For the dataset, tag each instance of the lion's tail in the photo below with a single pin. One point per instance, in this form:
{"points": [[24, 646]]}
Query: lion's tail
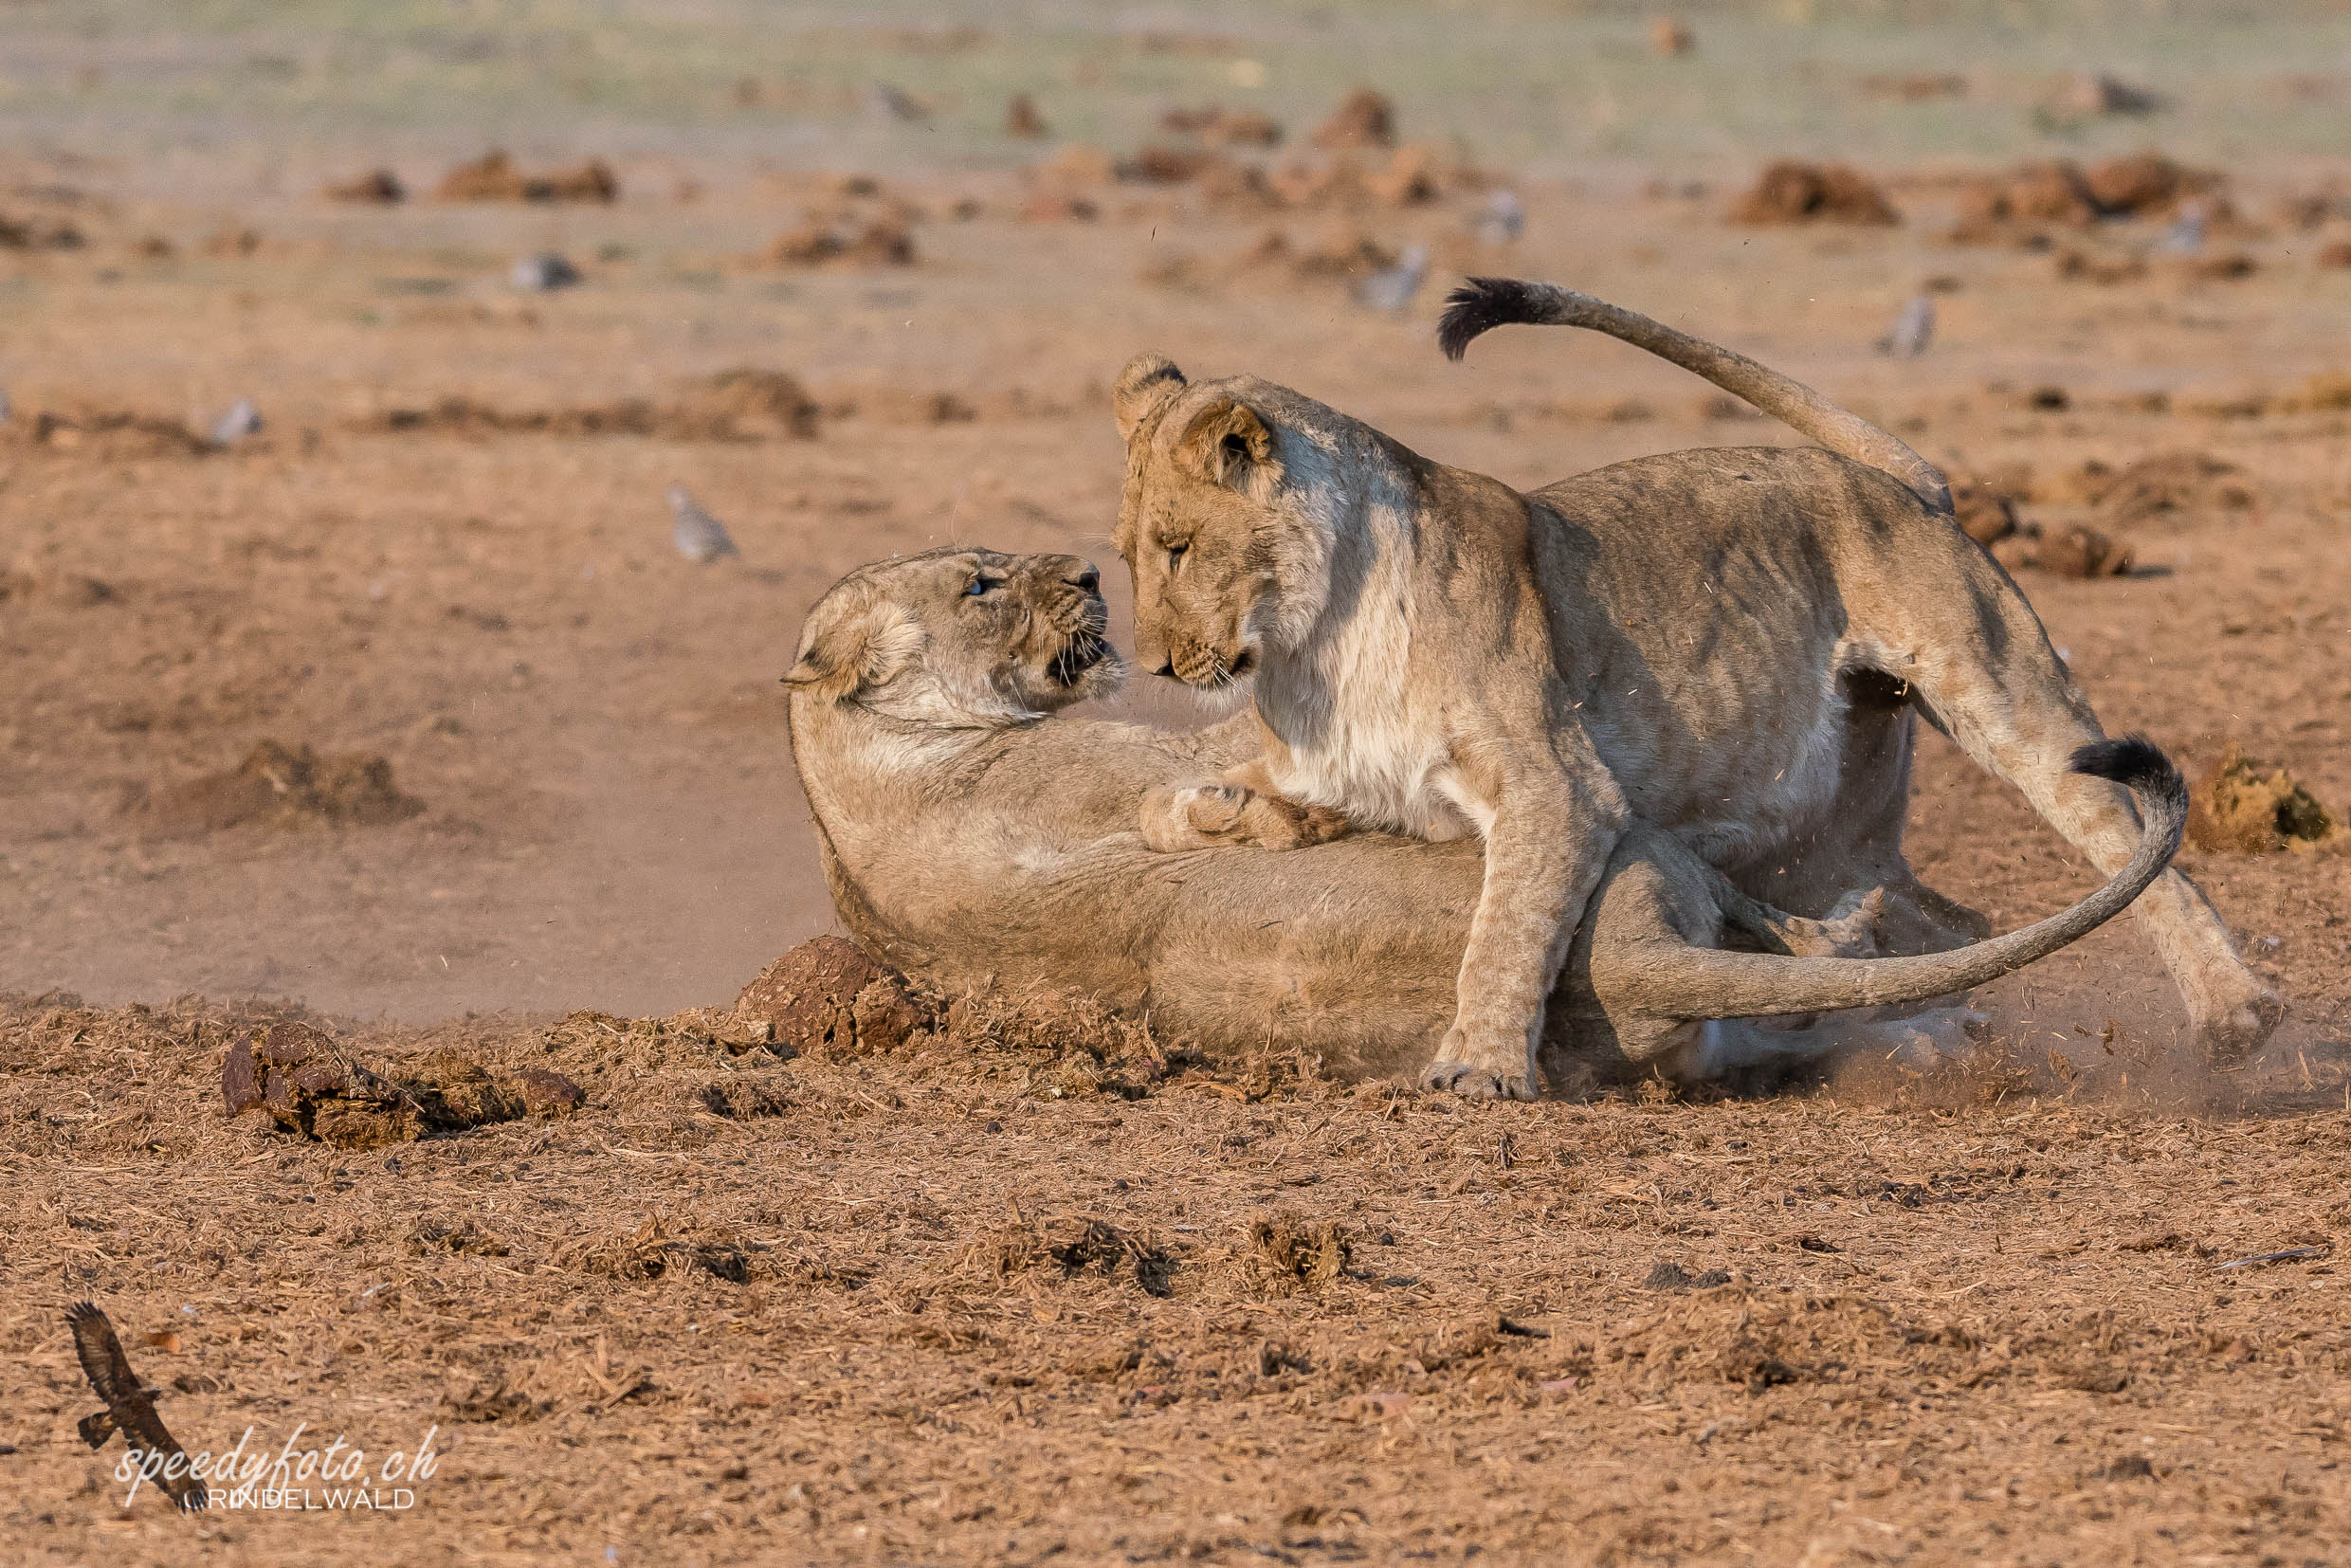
{"points": [[1713, 984], [1485, 303]]}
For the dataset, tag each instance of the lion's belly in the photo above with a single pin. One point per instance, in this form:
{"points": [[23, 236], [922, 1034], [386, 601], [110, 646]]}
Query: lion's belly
{"points": [[1741, 771]]}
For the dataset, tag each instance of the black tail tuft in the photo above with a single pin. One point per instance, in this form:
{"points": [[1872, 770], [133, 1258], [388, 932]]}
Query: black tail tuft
{"points": [[1480, 303], [2134, 761]]}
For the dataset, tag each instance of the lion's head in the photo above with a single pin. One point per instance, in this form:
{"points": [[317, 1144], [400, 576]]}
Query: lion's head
{"points": [[959, 638], [1229, 517]]}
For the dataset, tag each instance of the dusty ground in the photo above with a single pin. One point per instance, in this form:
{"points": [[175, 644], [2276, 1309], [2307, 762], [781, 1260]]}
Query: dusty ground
{"points": [[2008, 1338]]}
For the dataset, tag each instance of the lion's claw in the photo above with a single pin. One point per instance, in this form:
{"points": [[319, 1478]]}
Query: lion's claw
{"points": [[1472, 1081]]}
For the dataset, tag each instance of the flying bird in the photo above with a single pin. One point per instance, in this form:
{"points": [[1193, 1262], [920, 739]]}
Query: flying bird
{"points": [[1913, 329], [698, 535], [1393, 289], [242, 420], [129, 1403]]}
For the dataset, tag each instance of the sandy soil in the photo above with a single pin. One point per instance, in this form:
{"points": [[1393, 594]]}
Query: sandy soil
{"points": [[811, 1309]]}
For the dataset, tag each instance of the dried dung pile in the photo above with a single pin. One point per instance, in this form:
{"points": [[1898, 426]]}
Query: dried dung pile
{"points": [[1917, 88], [2067, 194], [280, 787], [1023, 120], [1071, 1244], [1221, 127], [35, 234], [846, 241], [111, 435], [1671, 36], [1288, 1253], [2078, 551], [654, 1251], [2162, 487], [379, 185], [494, 177], [1984, 513], [1793, 193], [1365, 119], [2251, 807], [740, 405], [310, 1086], [826, 998]]}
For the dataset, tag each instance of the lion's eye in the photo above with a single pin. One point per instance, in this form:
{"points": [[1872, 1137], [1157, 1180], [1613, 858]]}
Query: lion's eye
{"points": [[980, 585], [1175, 554]]}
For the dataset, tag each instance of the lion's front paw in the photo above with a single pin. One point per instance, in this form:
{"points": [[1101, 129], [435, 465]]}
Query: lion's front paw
{"points": [[1473, 1075], [1194, 816]]}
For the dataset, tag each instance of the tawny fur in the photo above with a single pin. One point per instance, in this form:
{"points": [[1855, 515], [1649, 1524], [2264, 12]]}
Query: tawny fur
{"points": [[970, 839], [1728, 644]]}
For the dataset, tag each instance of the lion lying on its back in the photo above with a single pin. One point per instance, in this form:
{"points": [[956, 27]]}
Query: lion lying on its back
{"points": [[972, 839]]}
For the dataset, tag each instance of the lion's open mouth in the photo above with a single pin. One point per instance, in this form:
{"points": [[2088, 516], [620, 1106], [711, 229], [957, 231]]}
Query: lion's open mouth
{"points": [[1083, 650]]}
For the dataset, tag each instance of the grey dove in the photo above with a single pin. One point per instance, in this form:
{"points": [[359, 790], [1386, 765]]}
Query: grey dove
{"points": [[1393, 289], [1502, 219], [1913, 329], [241, 420], [544, 273], [698, 535]]}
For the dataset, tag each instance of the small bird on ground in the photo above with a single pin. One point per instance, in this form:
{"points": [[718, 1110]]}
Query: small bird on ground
{"points": [[698, 535], [1502, 219], [129, 1404], [898, 103], [544, 273], [1393, 289], [242, 420], [2185, 237], [1913, 329]]}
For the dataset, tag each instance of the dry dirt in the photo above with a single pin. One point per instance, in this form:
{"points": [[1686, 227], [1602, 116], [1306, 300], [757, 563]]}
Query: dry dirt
{"points": [[401, 718]]}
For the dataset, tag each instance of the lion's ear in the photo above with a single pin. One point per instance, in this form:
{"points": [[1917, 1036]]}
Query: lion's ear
{"points": [[1148, 381], [1224, 441], [847, 650]]}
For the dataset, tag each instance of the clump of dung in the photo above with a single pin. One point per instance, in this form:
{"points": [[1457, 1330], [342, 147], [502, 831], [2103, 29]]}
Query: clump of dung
{"points": [[1074, 1245], [827, 999], [312, 1087], [1790, 191], [2251, 807], [279, 785], [1288, 1253]]}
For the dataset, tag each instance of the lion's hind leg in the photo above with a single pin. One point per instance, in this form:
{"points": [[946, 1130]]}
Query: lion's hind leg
{"points": [[1854, 929]]}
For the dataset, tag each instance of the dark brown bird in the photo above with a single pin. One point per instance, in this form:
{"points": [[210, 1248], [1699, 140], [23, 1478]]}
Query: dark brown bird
{"points": [[129, 1403]]}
